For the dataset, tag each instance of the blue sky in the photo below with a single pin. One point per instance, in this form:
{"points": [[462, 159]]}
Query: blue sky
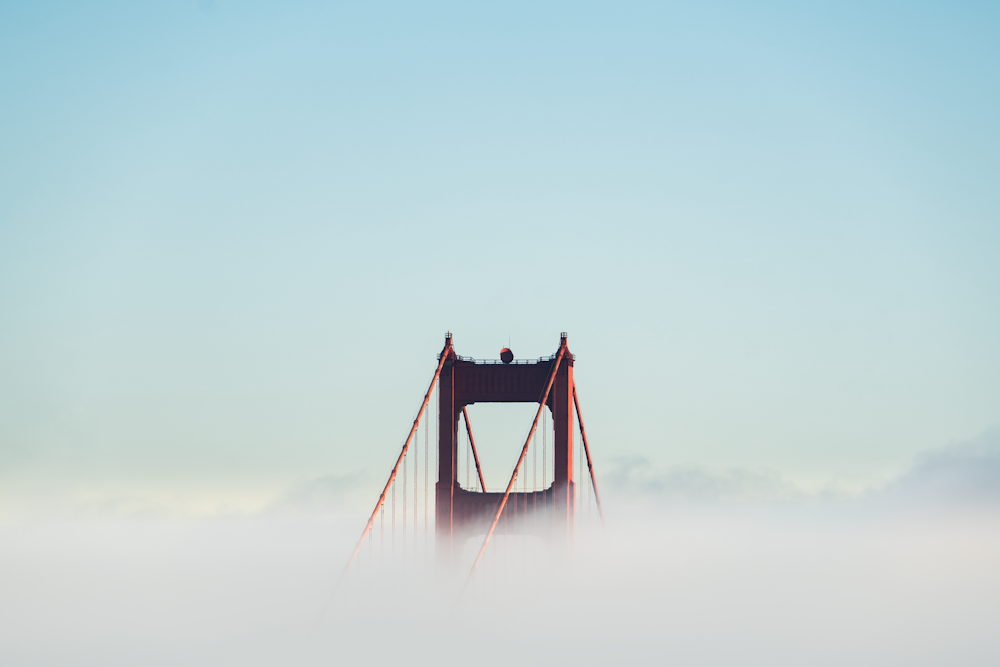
{"points": [[232, 236]]}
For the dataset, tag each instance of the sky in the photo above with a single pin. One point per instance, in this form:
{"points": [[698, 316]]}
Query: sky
{"points": [[233, 235]]}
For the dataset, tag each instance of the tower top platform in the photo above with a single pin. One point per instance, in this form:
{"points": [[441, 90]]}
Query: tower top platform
{"points": [[449, 350]]}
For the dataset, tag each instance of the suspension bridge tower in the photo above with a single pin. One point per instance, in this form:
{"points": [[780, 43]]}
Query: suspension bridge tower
{"points": [[461, 513]]}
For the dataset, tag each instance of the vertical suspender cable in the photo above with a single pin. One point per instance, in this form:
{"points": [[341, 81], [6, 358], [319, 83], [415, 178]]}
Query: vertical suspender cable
{"points": [[524, 541], [437, 452], [405, 458], [416, 485], [579, 473], [427, 450], [545, 460], [452, 427], [515, 506], [590, 503]]}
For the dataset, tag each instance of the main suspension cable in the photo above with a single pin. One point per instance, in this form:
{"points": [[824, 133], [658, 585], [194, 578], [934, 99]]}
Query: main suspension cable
{"points": [[586, 449], [392, 476], [472, 446]]}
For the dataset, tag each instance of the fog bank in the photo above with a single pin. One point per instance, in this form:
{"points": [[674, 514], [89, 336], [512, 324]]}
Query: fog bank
{"points": [[906, 574]]}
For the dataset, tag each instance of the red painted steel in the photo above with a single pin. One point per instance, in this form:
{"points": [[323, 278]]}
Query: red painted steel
{"points": [[586, 449], [461, 513], [472, 445], [520, 460]]}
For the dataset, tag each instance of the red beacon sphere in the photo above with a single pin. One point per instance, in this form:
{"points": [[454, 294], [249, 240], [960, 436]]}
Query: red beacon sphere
{"points": [[506, 355]]}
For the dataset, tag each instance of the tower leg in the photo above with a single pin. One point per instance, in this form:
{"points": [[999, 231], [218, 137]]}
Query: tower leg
{"points": [[444, 490], [563, 487]]}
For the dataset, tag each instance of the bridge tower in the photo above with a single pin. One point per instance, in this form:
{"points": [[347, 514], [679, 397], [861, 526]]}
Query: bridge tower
{"points": [[461, 513]]}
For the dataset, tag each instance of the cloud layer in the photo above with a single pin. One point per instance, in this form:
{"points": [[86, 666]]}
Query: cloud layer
{"points": [[737, 568]]}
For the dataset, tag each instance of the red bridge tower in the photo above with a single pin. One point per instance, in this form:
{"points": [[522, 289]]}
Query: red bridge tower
{"points": [[461, 513]]}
